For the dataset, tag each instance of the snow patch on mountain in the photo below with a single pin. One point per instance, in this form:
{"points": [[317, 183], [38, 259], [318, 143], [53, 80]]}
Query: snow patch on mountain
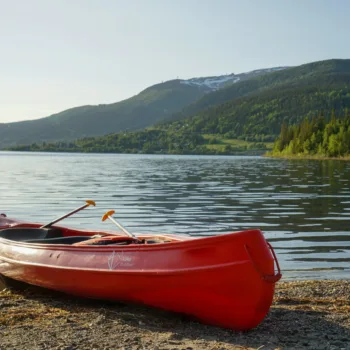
{"points": [[212, 82], [218, 82]]}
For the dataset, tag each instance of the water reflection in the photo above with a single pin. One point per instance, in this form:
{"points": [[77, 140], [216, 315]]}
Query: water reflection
{"points": [[302, 206]]}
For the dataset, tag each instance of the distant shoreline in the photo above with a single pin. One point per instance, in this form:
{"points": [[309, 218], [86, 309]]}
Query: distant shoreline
{"points": [[242, 153], [256, 153], [304, 157]]}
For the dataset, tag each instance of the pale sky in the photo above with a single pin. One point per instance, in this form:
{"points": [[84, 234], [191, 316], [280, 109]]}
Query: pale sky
{"points": [[60, 54]]}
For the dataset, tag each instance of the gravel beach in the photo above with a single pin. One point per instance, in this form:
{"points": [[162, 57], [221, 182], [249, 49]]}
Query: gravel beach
{"points": [[304, 315]]}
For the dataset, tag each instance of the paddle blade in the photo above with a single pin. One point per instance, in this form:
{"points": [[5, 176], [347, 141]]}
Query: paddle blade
{"points": [[109, 213], [90, 202]]}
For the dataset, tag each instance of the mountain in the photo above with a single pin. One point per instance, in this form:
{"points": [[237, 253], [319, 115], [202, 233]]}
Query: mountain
{"points": [[150, 106], [253, 110], [257, 107]]}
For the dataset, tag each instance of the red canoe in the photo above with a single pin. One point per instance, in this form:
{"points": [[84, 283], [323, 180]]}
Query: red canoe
{"points": [[226, 280]]}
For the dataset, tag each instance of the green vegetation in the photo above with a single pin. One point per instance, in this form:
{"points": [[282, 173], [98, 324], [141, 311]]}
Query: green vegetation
{"points": [[315, 137], [152, 141], [222, 145]]}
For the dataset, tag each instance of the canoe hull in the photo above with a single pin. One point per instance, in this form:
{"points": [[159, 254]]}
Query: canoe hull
{"points": [[225, 281]]}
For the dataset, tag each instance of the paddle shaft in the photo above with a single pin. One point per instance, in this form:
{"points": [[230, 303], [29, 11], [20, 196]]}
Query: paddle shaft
{"points": [[69, 214], [122, 228]]}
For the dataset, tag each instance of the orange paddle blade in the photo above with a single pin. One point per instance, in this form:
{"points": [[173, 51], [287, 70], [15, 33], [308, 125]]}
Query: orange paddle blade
{"points": [[109, 213]]}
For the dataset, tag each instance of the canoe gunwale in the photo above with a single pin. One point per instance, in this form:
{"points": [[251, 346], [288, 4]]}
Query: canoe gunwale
{"points": [[188, 243]]}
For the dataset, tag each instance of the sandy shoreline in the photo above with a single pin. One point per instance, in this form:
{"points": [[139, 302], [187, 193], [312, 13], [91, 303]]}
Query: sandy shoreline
{"points": [[304, 315]]}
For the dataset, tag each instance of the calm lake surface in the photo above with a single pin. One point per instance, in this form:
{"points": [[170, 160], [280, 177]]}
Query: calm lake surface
{"points": [[302, 206]]}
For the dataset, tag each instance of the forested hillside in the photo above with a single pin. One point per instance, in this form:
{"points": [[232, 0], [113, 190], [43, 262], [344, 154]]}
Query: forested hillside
{"points": [[293, 77], [318, 88]]}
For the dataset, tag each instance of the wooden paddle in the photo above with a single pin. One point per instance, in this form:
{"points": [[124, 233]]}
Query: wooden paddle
{"points": [[88, 202], [108, 216]]}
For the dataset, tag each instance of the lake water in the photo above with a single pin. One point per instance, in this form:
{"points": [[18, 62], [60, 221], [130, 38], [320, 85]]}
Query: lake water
{"points": [[302, 206]]}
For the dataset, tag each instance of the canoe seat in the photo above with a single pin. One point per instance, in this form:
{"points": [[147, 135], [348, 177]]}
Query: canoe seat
{"points": [[60, 240], [25, 233]]}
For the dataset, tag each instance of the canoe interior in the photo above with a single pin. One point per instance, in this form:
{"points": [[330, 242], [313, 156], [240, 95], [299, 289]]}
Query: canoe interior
{"points": [[55, 235]]}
